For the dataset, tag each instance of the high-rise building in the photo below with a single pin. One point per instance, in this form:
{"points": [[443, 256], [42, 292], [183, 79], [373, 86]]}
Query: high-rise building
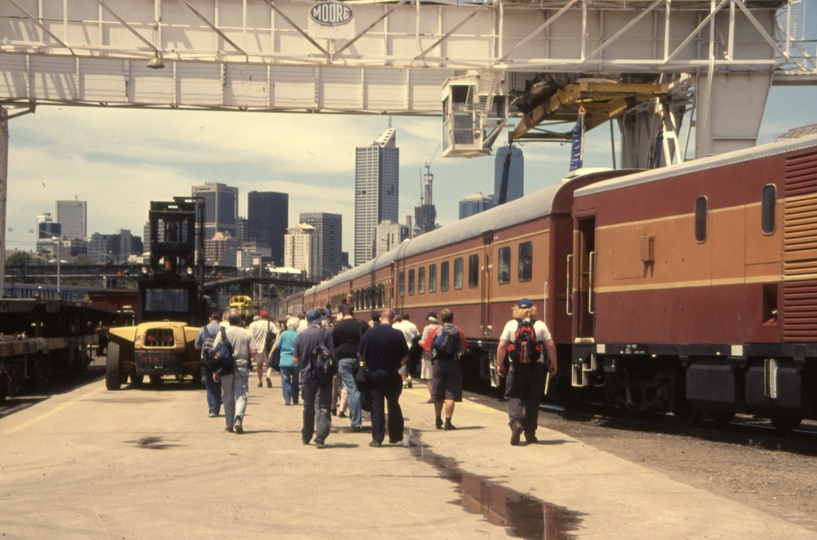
{"points": [[329, 232], [220, 208], [267, 219], [241, 228], [73, 216], [516, 174], [221, 249], [47, 228], [301, 249], [425, 215], [377, 190], [388, 236], [474, 204]]}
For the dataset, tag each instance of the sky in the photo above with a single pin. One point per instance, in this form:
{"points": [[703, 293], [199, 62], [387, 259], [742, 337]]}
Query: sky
{"points": [[118, 160]]}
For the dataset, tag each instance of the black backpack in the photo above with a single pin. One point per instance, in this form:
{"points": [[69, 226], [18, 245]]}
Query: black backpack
{"points": [[269, 341], [218, 355], [525, 349], [446, 343], [324, 366]]}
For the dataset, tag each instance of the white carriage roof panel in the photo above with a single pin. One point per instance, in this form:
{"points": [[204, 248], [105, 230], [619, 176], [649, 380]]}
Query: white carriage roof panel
{"points": [[697, 165]]}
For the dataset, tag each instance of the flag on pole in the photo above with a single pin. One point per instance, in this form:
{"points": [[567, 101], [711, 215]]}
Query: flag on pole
{"points": [[577, 146]]}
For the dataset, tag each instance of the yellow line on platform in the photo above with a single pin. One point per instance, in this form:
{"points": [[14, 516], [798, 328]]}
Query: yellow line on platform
{"points": [[52, 411]]}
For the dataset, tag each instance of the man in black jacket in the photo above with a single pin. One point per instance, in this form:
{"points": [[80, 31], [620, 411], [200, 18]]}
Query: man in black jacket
{"points": [[385, 350], [346, 336], [317, 397]]}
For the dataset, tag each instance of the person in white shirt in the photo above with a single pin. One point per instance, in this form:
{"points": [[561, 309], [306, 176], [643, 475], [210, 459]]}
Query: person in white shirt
{"points": [[526, 374], [260, 330], [410, 331]]}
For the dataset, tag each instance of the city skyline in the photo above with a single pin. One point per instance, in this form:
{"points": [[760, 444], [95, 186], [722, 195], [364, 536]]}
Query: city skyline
{"points": [[163, 153]]}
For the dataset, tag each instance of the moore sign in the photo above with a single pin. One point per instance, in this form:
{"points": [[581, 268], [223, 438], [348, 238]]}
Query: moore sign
{"points": [[331, 13]]}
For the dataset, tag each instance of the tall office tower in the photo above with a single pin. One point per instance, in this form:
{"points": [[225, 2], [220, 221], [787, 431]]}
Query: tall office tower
{"points": [[329, 231], [73, 216], [47, 228], [425, 215], [474, 204], [389, 235], [377, 190], [516, 174], [301, 249], [267, 220], [220, 208], [241, 228]]}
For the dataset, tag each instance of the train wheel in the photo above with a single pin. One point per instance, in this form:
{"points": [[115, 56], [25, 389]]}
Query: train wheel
{"points": [[155, 380], [721, 419], [784, 424], [136, 380], [113, 378]]}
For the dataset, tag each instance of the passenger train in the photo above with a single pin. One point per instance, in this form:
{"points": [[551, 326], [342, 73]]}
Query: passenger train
{"points": [[684, 289]]}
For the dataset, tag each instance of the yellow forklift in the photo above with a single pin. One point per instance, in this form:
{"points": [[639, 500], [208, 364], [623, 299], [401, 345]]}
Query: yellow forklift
{"points": [[171, 308]]}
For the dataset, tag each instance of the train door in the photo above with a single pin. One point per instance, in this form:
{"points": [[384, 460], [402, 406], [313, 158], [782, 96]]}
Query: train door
{"points": [[485, 286], [584, 262]]}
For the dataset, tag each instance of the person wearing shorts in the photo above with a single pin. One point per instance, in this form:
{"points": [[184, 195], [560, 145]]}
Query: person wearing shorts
{"points": [[446, 386]]}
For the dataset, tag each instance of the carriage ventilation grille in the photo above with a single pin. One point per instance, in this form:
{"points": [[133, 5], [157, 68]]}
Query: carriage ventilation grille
{"points": [[800, 249], [159, 337]]}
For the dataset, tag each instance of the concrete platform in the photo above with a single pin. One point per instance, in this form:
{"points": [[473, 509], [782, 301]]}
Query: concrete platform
{"points": [[148, 463]]}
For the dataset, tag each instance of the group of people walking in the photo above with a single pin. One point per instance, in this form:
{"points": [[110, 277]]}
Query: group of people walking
{"points": [[317, 353]]}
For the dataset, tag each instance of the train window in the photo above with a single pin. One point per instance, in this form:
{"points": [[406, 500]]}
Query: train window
{"points": [[444, 276], [473, 271], [411, 282], [458, 273], [767, 202], [504, 274], [700, 219], [432, 278], [401, 284], [421, 280], [525, 261]]}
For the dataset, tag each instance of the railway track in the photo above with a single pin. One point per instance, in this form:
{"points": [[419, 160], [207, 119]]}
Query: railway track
{"points": [[744, 430]]}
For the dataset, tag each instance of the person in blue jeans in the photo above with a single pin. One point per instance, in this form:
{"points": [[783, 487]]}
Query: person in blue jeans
{"points": [[213, 387], [346, 335], [290, 372]]}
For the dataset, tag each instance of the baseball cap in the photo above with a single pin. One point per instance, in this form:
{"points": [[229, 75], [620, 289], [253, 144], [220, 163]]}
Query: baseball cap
{"points": [[524, 304], [264, 314], [216, 316], [313, 316], [431, 314]]}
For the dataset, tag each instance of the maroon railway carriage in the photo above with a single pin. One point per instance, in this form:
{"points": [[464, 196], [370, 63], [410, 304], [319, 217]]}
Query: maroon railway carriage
{"points": [[478, 267], [703, 293], [684, 289]]}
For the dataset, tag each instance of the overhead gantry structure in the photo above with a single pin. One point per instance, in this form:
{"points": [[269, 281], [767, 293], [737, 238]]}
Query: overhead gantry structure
{"points": [[482, 65]]}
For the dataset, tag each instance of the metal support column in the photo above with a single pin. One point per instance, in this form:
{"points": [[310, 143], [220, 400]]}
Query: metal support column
{"points": [[4, 176]]}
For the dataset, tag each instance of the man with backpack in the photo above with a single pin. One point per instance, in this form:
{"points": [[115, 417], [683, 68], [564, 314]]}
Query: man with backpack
{"points": [[206, 336], [385, 350], [445, 345], [237, 348], [263, 332], [525, 340], [314, 354]]}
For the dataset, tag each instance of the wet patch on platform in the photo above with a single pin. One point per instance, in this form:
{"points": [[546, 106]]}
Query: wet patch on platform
{"points": [[522, 515]]}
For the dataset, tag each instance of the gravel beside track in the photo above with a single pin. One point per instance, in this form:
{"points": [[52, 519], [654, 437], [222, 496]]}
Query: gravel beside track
{"points": [[777, 475]]}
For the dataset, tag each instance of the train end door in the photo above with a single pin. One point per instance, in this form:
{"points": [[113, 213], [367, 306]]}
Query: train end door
{"points": [[582, 267]]}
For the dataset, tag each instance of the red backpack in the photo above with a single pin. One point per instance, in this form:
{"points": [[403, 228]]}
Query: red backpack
{"points": [[525, 349]]}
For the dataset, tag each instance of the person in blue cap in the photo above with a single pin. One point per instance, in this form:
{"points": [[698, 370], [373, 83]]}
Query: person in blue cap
{"points": [[525, 340]]}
